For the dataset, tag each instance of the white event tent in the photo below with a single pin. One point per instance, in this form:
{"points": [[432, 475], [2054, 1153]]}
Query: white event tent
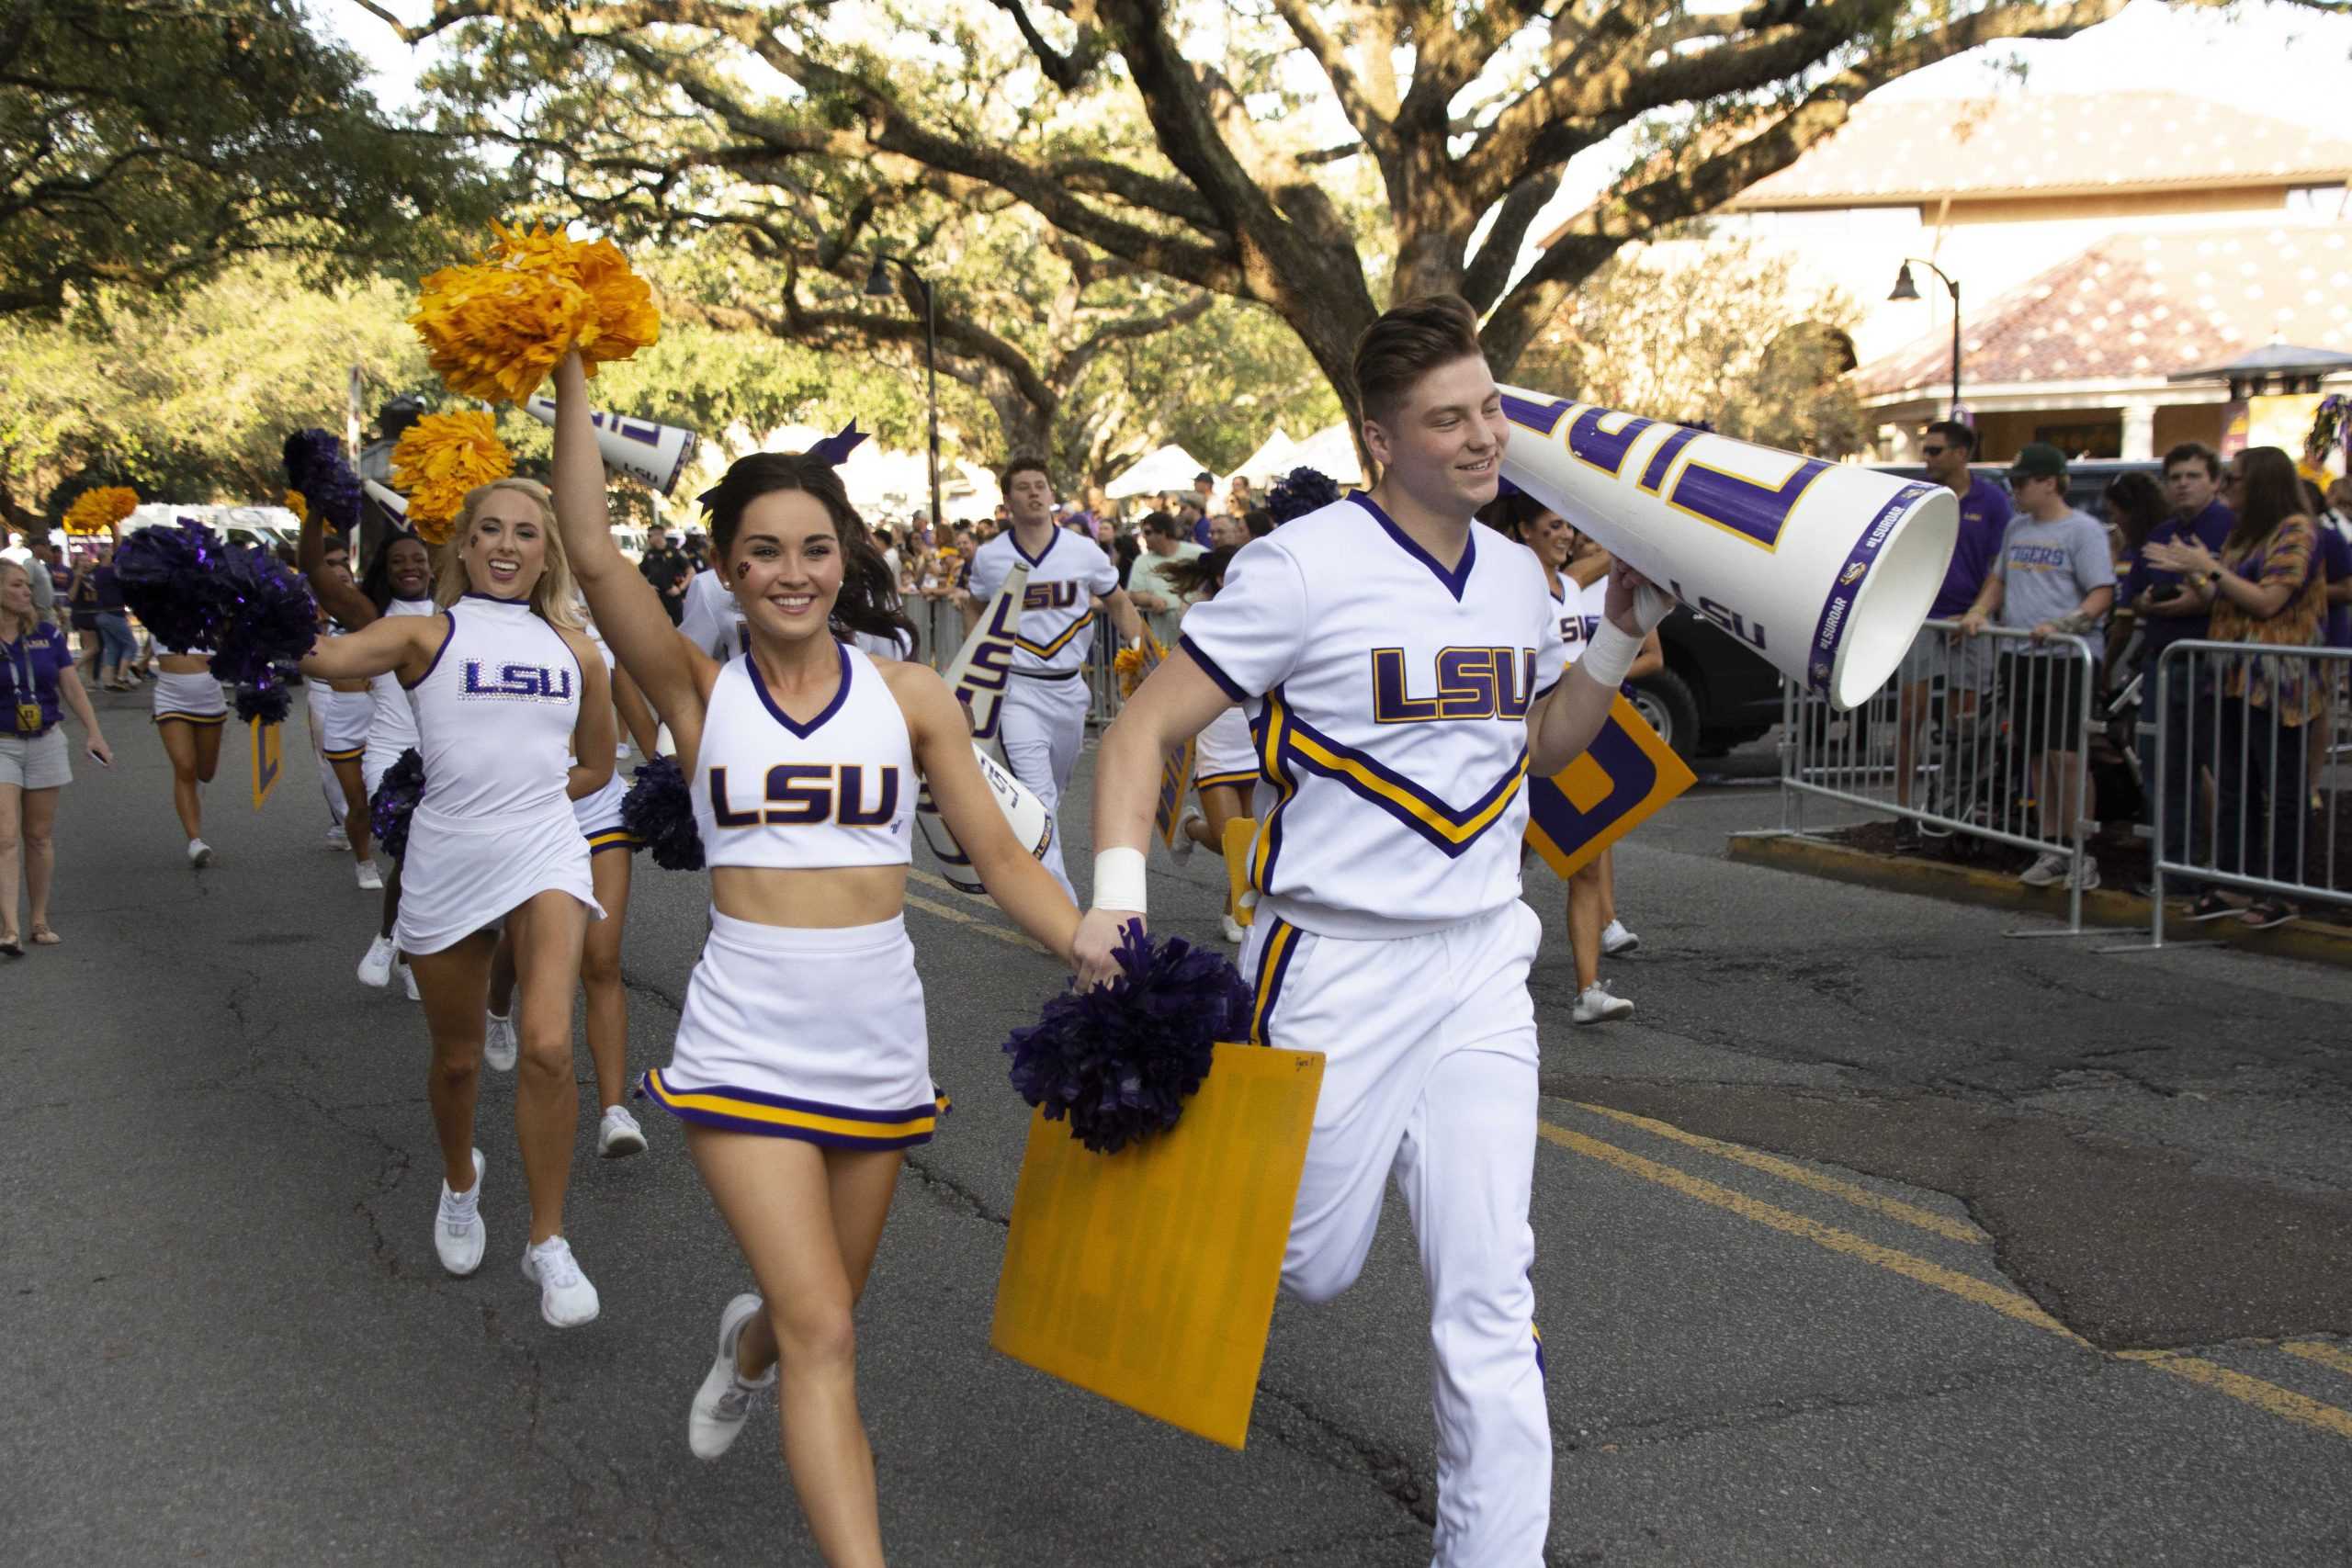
{"points": [[1169, 468], [1276, 456], [1332, 452]]}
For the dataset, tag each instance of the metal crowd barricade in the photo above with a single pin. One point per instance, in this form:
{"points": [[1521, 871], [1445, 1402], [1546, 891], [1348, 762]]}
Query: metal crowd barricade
{"points": [[1952, 743], [2235, 791]]}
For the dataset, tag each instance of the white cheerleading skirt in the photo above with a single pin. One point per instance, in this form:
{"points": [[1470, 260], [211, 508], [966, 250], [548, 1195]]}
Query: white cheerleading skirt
{"points": [[814, 1034], [462, 875], [1223, 753], [344, 719], [599, 816], [191, 699]]}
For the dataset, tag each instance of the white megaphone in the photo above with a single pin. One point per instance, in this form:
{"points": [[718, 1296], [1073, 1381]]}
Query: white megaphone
{"points": [[657, 454], [1825, 568]]}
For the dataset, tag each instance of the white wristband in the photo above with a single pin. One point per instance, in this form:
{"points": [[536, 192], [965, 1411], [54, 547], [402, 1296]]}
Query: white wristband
{"points": [[1119, 880], [1608, 655]]}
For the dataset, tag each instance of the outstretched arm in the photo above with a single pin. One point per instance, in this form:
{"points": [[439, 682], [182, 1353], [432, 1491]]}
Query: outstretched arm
{"points": [[592, 734], [333, 590], [392, 645]]}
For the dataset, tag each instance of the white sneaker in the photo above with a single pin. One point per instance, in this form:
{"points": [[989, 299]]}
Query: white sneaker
{"points": [[1185, 844], [1616, 941], [1596, 1005], [2045, 870], [725, 1399], [2088, 878], [1233, 931], [498, 1043], [371, 879], [408, 981], [200, 853], [459, 1235], [566, 1298], [618, 1135], [335, 841], [375, 969]]}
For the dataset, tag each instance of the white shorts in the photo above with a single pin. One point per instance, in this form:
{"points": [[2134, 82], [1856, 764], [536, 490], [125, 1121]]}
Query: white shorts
{"points": [[189, 699], [36, 762], [1043, 726], [343, 717], [461, 874], [1225, 754], [599, 816], [792, 1032]]}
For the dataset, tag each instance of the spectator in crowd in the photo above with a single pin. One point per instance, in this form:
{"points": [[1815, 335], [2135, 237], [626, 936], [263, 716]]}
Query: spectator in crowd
{"points": [[2334, 520], [665, 566], [2166, 614], [1125, 552], [1194, 523], [118, 650], [2050, 578], [82, 607], [1203, 497], [2135, 507], [1149, 586], [37, 680], [1946, 447], [48, 578], [1258, 522], [887, 542], [2265, 586], [1228, 532], [1240, 500]]}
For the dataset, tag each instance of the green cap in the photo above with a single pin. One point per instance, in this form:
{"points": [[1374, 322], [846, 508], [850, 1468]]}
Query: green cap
{"points": [[2038, 460]]}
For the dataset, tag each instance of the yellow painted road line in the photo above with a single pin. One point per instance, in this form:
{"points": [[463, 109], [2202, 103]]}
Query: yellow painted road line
{"points": [[2007, 1303], [2284, 1403], [1002, 933], [1789, 1170], [2327, 1355]]}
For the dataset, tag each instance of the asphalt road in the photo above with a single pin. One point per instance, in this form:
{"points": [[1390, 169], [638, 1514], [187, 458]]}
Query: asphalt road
{"points": [[1875, 1238]]}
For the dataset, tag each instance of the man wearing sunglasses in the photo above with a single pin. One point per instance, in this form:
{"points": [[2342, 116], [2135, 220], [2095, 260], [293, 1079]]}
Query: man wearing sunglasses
{"points": [[1946, 447], [2167, 613]]}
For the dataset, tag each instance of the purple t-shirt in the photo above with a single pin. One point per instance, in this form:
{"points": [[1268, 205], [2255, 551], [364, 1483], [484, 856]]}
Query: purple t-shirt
{"points": [[2210, 528], [1984, 518], [32, 663], [2335, 564]]}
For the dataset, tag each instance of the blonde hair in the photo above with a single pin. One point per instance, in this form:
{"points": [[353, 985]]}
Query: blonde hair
{"points": [[30, 622], [555, 598]]}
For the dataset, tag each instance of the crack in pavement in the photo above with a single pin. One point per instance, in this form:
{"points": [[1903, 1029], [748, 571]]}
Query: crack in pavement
{"points": [[1294, 1424], [1667, 1429]]}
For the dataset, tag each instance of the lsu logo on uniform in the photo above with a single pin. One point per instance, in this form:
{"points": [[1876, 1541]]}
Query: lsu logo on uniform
{"points": [[1624, 777], [528, 683], [806, 795], [1467, 683], [1063, 596]]}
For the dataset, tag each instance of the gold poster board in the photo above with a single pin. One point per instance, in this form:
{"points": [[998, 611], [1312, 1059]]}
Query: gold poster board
{"points": [[1149, 1276], [1622, 779], [267, 757], [1240, 834]]}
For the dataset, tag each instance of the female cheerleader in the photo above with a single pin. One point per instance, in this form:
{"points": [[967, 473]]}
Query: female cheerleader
{"points": [[508, 692], [610, 846], [1225, 762], [399, 582], [1574, 564], [340, 714], [191, 713], [801, 1067]]}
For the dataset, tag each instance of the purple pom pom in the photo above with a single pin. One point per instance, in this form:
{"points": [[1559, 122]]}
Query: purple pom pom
{"points": [[1302, 492], [267, 616], [315, 465], [395, 798], [1120, 1060], [267, 702], [167, 580], [659, 811]]}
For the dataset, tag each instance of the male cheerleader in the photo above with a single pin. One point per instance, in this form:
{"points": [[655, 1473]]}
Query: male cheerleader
{"points": [[1401, 665], [1043, 719]]}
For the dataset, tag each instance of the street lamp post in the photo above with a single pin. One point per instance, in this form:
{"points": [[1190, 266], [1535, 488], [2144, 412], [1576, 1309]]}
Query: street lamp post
{"points": [[877, 286], [1905, 291]]}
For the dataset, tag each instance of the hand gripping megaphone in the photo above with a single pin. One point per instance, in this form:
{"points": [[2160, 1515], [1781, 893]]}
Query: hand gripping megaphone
{"points": [[657, 454], [1825, 568]]}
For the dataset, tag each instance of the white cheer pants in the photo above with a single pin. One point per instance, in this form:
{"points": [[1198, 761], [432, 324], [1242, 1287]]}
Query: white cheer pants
{"points": [[1434, 1082], [1043, 723]]}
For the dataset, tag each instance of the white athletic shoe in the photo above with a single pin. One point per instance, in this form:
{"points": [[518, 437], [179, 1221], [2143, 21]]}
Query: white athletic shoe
{"points": [[1233, 931], [371, 879], [498, 1043], [335, 841], [1185, 844], [459, 1235], [566, 1298], [408, 981], [2046, 871], [1616, 941], [725, 1399], [200, 853], [618, 1135], [375, 969], [1596, 1005]]}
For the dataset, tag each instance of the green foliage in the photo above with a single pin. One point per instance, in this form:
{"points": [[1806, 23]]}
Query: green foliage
{"points": [[145, 145]]}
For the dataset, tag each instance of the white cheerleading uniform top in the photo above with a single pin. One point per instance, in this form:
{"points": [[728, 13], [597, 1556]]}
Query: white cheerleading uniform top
{"points": [[712, 622], [1580, 612], [496, 712], [1056, 629], [1389, 700], [392, 724], [837, 791]]}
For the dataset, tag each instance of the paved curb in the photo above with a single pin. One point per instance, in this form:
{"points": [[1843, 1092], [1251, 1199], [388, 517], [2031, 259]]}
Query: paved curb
{"points": [[2314, 940]]}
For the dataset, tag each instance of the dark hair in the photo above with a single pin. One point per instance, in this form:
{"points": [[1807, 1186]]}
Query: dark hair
{"points": [[376, 583], [1204, 474], [1407, 343], [1511, 513], [868, 601], [2273, 493], [1951, 430], [1203, 573], [1023, 463], [1159, 523], [1259, 521], [2195, 452], [2135, 505]]}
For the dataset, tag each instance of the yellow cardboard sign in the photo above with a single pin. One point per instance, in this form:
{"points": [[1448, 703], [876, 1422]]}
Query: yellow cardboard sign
{"points": [[1624, 777], [1176, 768], [267, 758], [1149, 1276]]}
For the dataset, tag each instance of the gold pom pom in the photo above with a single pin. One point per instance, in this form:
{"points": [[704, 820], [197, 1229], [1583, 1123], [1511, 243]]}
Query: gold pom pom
{"points": [[1127, 666], [442, 458], [97, 511], [298, 505], [493, 328]]}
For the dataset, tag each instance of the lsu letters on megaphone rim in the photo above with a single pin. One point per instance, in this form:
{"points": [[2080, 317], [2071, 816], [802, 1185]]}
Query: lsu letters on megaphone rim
{"points": [[1024, 813], [656, 454], [1826, 570]]}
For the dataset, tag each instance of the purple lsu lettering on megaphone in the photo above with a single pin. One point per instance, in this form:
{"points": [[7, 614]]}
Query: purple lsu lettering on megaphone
{"points": [[628, 429], [1831, 631]]}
